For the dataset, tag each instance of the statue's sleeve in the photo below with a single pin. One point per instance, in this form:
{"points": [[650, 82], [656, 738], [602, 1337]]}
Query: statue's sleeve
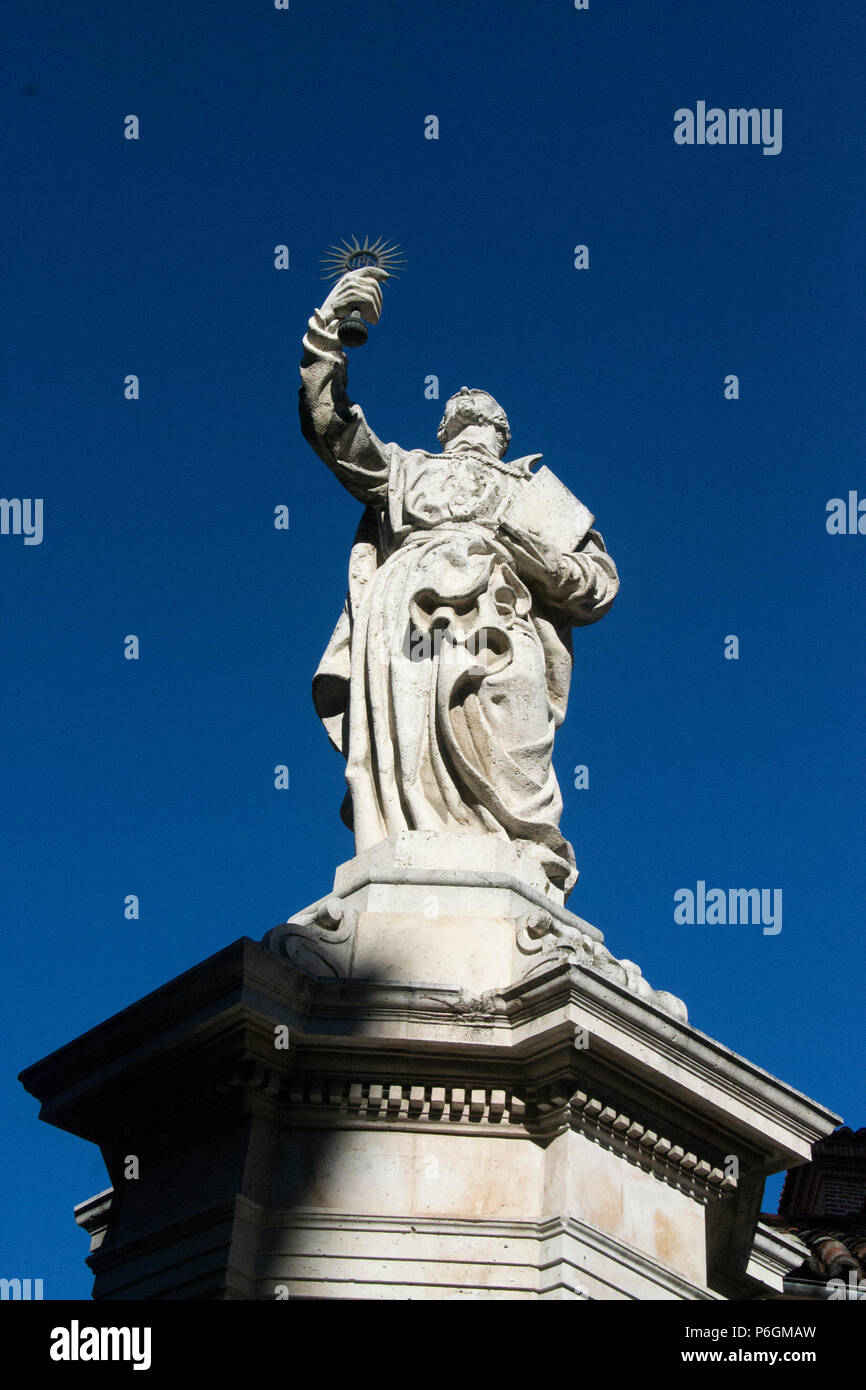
{"points": [[586, 582], [334, 426]]}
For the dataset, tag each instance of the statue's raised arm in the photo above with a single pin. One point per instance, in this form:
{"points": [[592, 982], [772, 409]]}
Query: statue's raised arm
{"points": [[333, 425]]}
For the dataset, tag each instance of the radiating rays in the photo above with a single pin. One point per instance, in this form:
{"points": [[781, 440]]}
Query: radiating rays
{"points": [[351, 255]]}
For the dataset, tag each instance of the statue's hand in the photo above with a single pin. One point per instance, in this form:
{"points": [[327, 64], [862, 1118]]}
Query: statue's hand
{"points": [[535, 557], [356, 290]]}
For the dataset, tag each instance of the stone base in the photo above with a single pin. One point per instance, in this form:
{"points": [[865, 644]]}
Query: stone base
{"points": [[559, 1136], [424, 908]]}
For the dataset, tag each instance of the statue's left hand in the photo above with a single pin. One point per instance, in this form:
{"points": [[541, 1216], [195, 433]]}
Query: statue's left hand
{"points": [[535, 557]]}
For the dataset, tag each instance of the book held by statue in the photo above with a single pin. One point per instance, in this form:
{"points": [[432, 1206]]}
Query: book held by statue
{"points": [[545, 504]]}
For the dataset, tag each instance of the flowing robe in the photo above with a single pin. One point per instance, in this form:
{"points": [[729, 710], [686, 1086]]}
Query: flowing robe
{"points": [[448, 671]]}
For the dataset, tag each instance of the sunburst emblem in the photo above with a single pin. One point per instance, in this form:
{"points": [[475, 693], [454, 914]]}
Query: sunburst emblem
{"points": [[351, 255]]}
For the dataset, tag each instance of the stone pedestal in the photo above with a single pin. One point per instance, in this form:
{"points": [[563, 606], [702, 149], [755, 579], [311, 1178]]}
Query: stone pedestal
{"points": [[432, 1084]]}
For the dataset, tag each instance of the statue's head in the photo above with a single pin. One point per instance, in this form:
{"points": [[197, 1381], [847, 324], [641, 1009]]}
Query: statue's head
{"points": [[470, 407]]}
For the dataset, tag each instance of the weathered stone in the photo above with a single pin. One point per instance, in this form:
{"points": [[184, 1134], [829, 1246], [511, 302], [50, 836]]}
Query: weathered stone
{"points": [[425, 908], [261, 1167], [466, 575]]}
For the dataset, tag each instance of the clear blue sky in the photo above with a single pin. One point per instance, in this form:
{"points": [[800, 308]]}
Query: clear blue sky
{"points": [[155, 257]]}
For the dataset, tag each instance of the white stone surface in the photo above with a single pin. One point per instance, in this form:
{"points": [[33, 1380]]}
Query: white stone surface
{"points": [[448, 672], [448, 851], [422, 1143], [449, 909]]}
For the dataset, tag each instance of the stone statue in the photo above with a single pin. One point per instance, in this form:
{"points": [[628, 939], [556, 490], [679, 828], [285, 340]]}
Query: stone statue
{"points": [[448, 671]]}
